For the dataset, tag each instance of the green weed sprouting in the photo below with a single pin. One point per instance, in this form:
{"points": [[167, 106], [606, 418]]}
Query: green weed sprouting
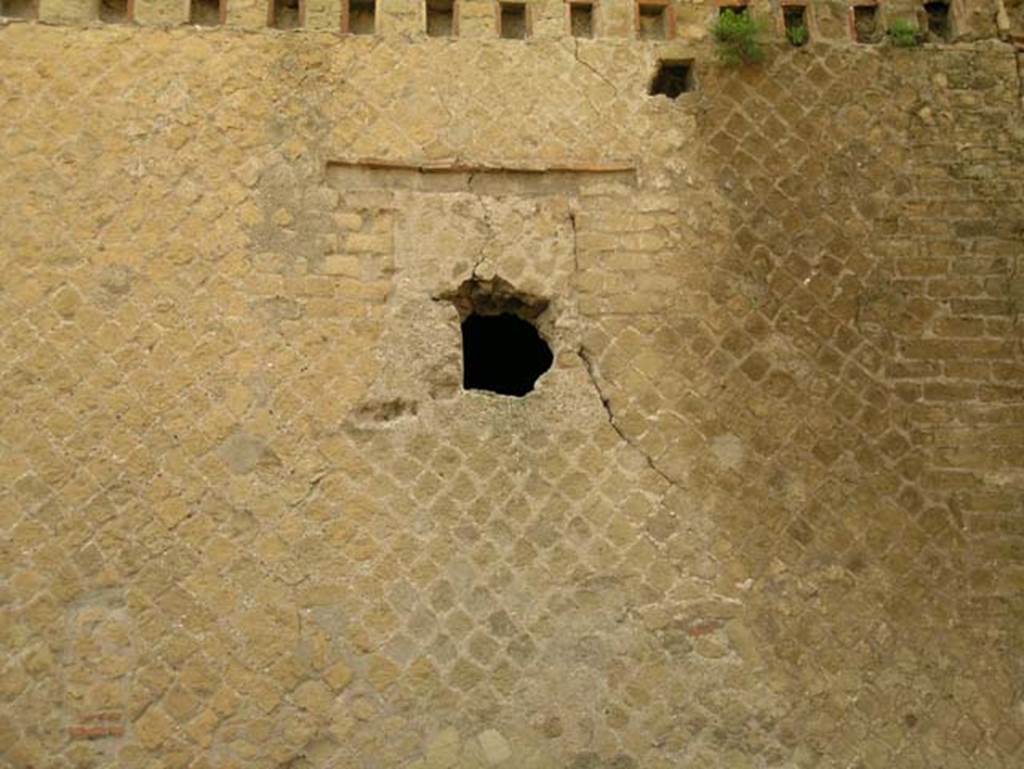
{"points": [[903, 34], [798, 35], [737, 39]]}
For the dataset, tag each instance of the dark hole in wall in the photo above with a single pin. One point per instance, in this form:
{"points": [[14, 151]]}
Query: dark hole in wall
{"points": [[440, 18], [502, 349], [938, 20], [18, 9], [794, 18], [204, 13], [672, 79], [581, 19], [652, 21], [287, 14], [512, 21], [502, 353], [362, 17], [865, 24], [113, 11]]}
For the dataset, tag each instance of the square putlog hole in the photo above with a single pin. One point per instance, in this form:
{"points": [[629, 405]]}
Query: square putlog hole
{"points": [[18, 9], [362, 17], [286, 14], [512, 21], [114, 11], [672, 79], [865, 24], [581, 19], [440, 18], [939, 26], [652, 21], [794, 19], [204, 13]]}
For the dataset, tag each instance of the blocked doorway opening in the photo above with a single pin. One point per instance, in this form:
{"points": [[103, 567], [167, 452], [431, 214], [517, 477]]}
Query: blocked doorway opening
{"points": [[503, 350]]}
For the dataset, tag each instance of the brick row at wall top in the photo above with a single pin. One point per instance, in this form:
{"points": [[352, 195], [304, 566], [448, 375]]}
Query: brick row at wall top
{"points": [[642, 19]]}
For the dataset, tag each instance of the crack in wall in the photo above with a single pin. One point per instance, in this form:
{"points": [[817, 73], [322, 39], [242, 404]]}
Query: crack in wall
{"points": [[588, 65], [312, 488], [588, 365], [488, 223], [1016, 296], [1020, 74], [575, 240]]}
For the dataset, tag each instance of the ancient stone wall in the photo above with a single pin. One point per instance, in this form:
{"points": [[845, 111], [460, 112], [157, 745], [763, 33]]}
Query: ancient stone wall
{"points": [[764, 510], [480, 19]]}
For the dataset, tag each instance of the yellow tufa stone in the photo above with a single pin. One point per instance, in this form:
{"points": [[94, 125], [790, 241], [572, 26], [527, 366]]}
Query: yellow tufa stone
{"points": [[762, 509]]}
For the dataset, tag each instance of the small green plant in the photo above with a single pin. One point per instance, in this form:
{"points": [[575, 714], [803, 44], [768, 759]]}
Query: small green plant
{"points": [[797, 35], [737, 39], [903, 34]]}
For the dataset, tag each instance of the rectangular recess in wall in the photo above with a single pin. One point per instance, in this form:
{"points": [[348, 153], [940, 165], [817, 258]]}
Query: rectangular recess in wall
{"points": [[361, 17], [652, 20], [205, 13], [352, 176], [939, 25], [286, 14], [794, 22], [18, 9], [440, 18], [115, 11], [581, 19], [866, 28], [513, 22]]}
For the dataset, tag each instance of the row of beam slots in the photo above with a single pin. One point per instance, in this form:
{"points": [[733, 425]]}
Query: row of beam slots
{"points": [[651, 19], [359, 17]]}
